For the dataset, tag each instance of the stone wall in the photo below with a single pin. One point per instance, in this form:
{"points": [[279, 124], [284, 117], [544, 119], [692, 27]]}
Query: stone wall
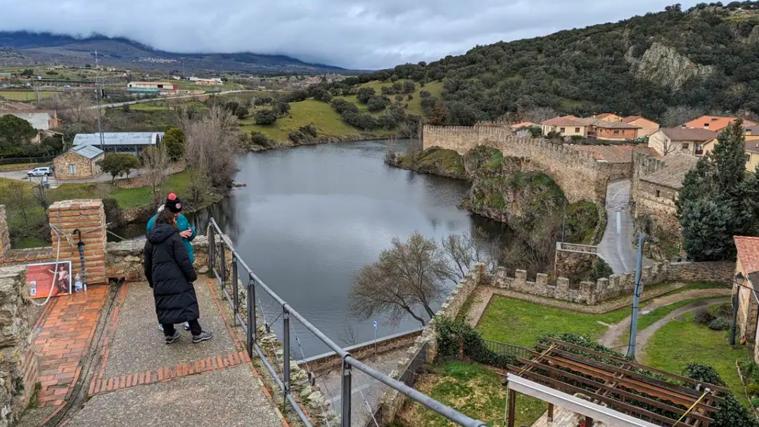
{"points": [[124, 259], [424, 348], [578, 174], [18, 363], [87, 216], [5, 238], [653, 200], [604, 289]]}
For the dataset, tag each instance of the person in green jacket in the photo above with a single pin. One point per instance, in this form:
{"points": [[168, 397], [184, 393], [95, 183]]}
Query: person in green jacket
{"points": [[187, 231]]}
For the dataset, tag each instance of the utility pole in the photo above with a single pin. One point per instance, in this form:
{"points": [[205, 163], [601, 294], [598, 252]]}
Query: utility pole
{"points": [[97, 96], [636, 299]]}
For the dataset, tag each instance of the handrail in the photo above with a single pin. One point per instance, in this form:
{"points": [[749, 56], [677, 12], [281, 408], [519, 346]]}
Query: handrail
{"points": [[349, 362]]}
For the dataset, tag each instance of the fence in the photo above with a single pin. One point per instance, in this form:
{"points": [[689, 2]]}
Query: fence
{"points": [[219, 248], [508, 349], [575, 247]]}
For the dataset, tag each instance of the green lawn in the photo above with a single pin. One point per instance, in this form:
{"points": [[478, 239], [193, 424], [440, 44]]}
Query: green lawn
{"points": [[302, 113], [522, 323], [474, 390], [414, 106], [142, 196], [149, 106], [683, 341]]}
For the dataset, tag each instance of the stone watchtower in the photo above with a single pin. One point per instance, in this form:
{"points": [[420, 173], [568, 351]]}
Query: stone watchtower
{"points": [[88, 217]]}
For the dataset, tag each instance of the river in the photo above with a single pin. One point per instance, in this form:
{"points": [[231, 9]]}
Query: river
{"points": [[309, 218]]}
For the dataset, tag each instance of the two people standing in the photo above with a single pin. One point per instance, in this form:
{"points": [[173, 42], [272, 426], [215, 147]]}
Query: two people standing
{"points": [[168, 264]]}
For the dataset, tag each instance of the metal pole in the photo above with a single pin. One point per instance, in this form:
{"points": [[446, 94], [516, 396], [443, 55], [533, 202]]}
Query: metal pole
{"points": [[636, 299], [286, 352], [250, 332], [223, 266], [346, 392], [734, 325], [235, 297], [211, 249]]}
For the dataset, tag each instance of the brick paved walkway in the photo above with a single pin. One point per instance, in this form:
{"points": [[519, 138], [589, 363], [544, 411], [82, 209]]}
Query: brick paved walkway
{"points": [[65, 333]]}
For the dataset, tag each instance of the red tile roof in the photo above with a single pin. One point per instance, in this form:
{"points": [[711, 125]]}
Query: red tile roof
{"points": [[566, 121], [715, 123], [748, 252], [689, 134]]}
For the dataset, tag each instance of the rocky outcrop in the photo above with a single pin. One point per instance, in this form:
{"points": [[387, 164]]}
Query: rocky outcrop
{"points": [[663, 65]]}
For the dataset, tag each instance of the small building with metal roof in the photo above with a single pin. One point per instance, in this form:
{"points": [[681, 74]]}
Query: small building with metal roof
{"points": [[120, 142], [79, 162]]}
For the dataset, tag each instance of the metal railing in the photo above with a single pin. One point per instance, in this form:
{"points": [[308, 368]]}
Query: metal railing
{"points": [[249, 325], [508, 349], [576, 247]]}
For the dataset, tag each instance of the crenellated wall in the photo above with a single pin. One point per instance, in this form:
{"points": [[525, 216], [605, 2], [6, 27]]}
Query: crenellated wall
{"points": [[614, 286], [579, 175]]}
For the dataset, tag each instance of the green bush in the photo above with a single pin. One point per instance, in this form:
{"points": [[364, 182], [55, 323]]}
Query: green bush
{"points": [[719, 324], [456, 336], [703, 316]]}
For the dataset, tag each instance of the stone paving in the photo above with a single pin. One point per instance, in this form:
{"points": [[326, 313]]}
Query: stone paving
{"points": [[129, 376]]}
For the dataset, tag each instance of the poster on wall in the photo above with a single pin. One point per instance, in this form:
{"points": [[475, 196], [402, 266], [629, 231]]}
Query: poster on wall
{"points": [[49, 278]]}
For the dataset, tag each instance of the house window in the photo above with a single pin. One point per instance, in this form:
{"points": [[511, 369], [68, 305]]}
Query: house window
{"points": [[561, 130], [685, 145], [577, 130], [72, 169], [658, 193], [699, 149], [616, 131]]}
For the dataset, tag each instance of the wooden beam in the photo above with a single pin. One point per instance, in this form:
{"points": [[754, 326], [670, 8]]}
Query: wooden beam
{"points": [[512, 407]]}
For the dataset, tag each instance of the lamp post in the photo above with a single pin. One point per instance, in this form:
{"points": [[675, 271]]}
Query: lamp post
{"points": [[738, 282]]}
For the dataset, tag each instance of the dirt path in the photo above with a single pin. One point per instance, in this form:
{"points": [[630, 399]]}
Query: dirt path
{"points": [[616, 331]]}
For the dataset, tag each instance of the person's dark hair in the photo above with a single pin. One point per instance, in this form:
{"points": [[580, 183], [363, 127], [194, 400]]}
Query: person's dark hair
{"points": [[166, 217]]}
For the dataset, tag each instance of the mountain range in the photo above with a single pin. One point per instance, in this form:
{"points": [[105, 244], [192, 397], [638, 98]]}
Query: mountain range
{"points": [[21, 48]]}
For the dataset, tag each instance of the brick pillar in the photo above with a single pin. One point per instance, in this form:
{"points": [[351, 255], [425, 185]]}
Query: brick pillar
{"points": [[88, 216], [5, 238]]}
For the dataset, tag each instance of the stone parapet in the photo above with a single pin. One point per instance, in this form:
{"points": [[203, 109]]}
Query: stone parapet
{"points": [[88, 217], [18, 363], [124, 259], [5, 238]]}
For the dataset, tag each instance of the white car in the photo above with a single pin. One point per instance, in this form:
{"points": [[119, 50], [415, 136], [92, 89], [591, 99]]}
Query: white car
{"points": [[41, 171]]}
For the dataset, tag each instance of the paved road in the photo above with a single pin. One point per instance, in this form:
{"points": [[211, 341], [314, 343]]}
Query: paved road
{"points": [[616, 246], [54, 183]]}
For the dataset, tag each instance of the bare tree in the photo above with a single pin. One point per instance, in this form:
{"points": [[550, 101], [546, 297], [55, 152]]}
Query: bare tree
{"points": [[156, 162], [675, 116], [211, 145], [407, 277]]}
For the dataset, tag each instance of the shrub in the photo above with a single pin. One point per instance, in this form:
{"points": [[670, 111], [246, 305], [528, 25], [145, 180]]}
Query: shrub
{"points": [[364, 94], [456, 336], [265, 117], [376, 103], [261, 140], [703, 316], [719, 324]]}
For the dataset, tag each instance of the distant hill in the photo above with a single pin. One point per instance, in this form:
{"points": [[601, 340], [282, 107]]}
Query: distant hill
{"points": [[25, 48], [702, 59]]}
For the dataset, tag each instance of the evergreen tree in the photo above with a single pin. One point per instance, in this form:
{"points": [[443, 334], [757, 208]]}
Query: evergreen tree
{"points": [[717, 200]]}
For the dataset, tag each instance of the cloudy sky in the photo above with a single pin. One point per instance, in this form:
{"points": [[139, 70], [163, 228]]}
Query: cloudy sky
{"points": [[361, 34]]}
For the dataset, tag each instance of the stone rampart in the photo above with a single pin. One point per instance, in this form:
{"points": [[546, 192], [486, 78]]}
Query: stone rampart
{"points": [[614, 286], [579, 175], [124, 259], [18, 363]]}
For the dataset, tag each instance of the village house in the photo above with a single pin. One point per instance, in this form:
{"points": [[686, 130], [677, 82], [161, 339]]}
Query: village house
{"points": [[213, 81], [715, 123], [646, 127], [744, 294], [752, 154], [608, 117], [120, 142], [78, 162], [42, 121], [566, 126], [681, 140], [612, 130], [522, 129]]}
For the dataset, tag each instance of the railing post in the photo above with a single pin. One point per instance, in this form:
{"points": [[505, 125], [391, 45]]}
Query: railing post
{"points": [[223, 266], [251, 332], [211, 248], [286, 351], [346, 392], [235, 297]]}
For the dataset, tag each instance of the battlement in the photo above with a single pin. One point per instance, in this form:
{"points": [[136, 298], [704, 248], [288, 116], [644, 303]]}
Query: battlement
{"points": [[573, 170]]}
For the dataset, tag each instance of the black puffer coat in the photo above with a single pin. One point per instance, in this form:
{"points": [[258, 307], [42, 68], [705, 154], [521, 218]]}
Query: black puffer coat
{"points": [[170, 274]]}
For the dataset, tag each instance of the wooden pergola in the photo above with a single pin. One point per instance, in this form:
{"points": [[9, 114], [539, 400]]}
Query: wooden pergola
{"points": [[609, 388]]}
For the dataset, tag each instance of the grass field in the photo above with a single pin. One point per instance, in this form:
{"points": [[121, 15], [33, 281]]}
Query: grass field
{"points": [[472, 389], [522, 323], [24, 96], [414, 106], [302, 113], [683, 341]]}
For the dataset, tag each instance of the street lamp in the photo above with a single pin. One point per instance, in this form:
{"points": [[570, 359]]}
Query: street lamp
{"points": [[738, 281]]}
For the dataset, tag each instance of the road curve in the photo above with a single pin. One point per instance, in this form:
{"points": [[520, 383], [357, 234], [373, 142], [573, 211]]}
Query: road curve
{"points": [[616, 247]]}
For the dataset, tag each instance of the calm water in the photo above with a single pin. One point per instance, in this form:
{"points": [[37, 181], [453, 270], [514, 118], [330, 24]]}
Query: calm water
{"points": [[310, 218]]}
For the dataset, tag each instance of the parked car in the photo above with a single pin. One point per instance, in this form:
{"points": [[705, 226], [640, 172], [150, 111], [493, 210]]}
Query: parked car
{"points": [[41, 171]]}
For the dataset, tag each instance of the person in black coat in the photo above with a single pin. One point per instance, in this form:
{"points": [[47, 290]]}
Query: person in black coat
{"points": [[170, 274]]}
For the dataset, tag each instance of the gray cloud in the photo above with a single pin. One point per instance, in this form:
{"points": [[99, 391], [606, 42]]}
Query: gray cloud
{"points": [[363, 34]]}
